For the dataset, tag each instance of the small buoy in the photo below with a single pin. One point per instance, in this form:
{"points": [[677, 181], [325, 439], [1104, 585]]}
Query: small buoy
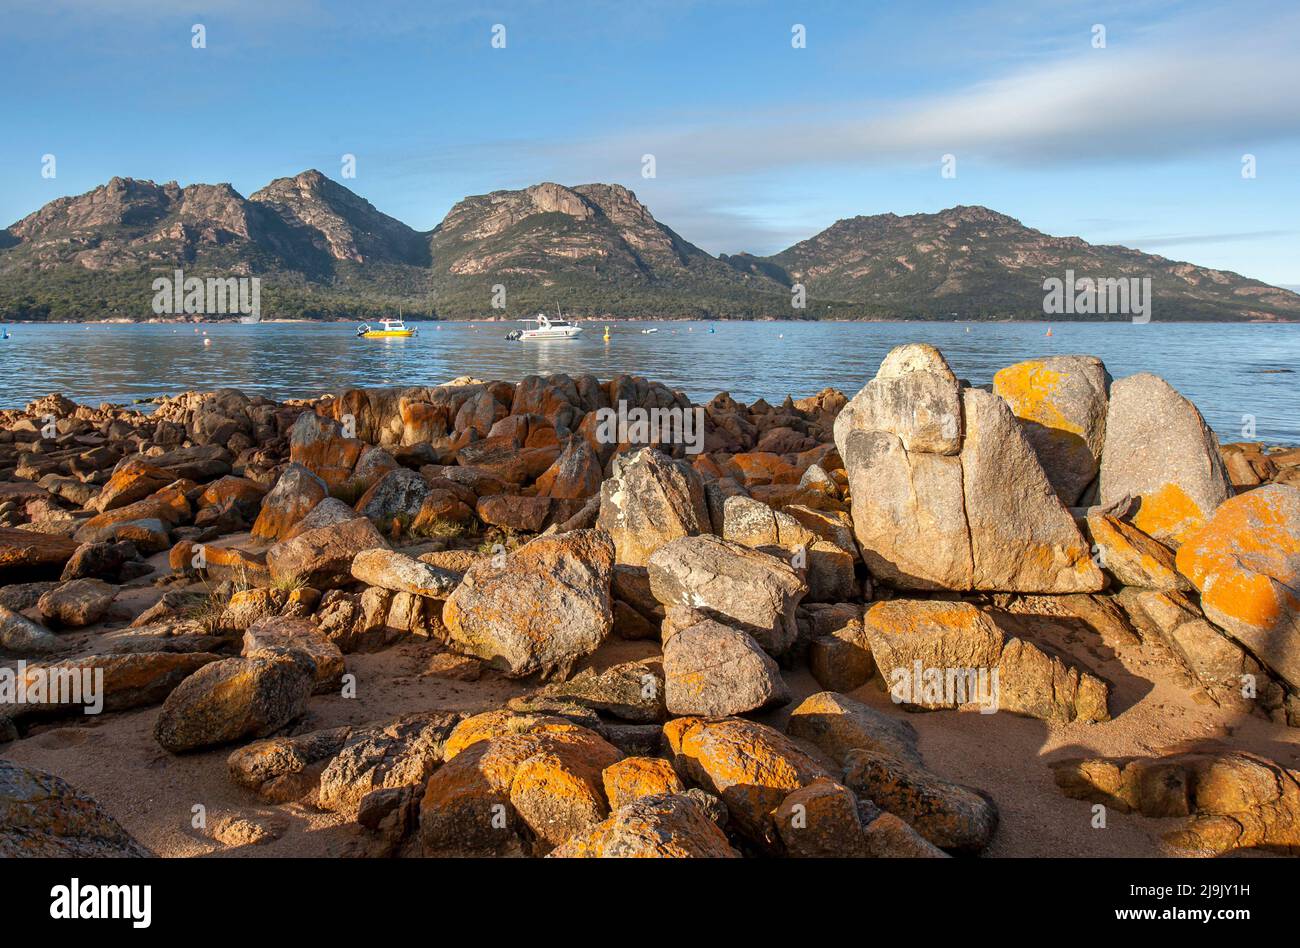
{"points": [[1049, 330], [207, 341]]}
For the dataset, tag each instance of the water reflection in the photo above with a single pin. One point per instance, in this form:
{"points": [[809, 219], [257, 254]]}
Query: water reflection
{"points": [[1230, 371]]}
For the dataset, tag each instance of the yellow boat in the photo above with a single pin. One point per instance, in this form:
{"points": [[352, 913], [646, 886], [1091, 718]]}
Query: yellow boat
{"points": [[388, 327]]}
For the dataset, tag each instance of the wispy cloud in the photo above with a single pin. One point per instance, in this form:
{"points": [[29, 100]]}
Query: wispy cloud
{"points": [[1183, 240], [1101, 106]]}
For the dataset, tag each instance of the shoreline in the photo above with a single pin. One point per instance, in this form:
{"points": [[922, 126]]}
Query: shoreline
{"points": [[138, 406], [1060, 321]]}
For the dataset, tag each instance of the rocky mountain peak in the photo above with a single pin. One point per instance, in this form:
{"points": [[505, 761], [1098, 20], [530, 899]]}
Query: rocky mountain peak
{"points": [[340, 222]]}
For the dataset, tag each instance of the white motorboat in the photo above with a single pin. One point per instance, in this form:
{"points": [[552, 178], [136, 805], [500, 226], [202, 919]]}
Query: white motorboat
{"points": [[542, 327]]}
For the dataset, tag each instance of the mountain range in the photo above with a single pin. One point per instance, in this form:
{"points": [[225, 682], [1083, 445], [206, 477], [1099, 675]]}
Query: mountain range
{"points": [[323, 251]]}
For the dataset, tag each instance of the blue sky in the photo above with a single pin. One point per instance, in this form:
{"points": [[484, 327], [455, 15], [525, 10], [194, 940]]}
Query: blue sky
{"points": [[757, 144]]}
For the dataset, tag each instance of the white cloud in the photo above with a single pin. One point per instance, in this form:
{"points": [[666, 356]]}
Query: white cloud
{"points": [[1101, 106]]}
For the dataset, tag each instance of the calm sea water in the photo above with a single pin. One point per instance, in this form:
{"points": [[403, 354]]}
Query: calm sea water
{"points": [[1229, 371]]}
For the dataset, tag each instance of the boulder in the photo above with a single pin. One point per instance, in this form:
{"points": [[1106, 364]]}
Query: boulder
{"points": [[744, 588], [514, 512], [389, 569], [318, 444], [296, 493], [530, 790], [21, 635], [22, 596], [1247, 465], [542, 608], [1132, 557], [971, 509], [635, 777], [274, 635], [1060, 402], [839, 654], [240, 492], [246, 606], [1232, 800], [134, 479], [77, 603], [501, 722], [42, 816], [750, 766], [667, 825], [890, 837], [402, 754], [839, 725], [820, 545], [1159, 450], [820, 820], [909, 513], [25, 554], [404, 501], [630, 691], [122, 682], [117, 562], [148, 535], [373, 464], [714, 670], [952, 817], [914, 396], [169, 505], [284, 769], [322, 558], [327, 513], [1245, 561], [939, 654], [200, 462], [648, 501], [235, 831], [576, 473], [1022, 538], [234, 699]]}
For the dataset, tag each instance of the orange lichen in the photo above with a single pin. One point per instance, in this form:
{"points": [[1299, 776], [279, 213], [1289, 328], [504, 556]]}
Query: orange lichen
{"points": [[1169, 514], [1246, 559], [1028, 388], [635, 777], [499, 723]]}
